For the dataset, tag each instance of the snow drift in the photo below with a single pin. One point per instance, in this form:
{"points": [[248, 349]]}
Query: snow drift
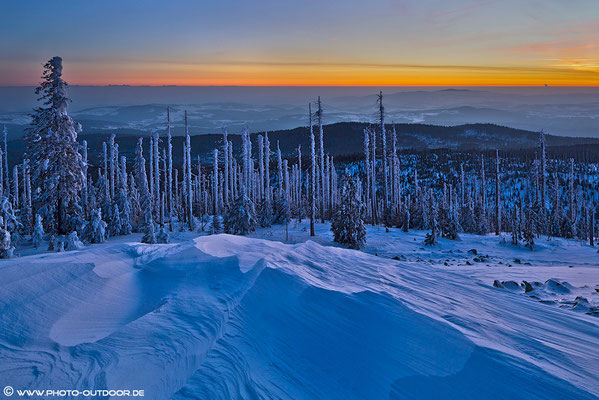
{"points": [[224, 317]]}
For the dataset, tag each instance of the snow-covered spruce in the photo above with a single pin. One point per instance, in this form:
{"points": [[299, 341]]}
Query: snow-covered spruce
{"points": [[57, 172], [6, 247], [95, 230], [38, 232], [240, 218], [348, 223], [73, 242]]}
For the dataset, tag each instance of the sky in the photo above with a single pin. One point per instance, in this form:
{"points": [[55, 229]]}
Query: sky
{"points": [[303, 43]]}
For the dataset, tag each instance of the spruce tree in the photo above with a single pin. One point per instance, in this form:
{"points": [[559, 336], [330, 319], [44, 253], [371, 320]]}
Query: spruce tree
{"points": [[38, 232], [348, 220], [217, 224], [147, 221], [240, 216], [264, 213], [431, 238], [6, 247], [162, 236], [406, 220], [57, 165], [95, 230]]}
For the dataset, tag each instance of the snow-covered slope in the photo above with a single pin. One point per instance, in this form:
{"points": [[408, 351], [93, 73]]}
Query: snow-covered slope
{"points": [[221, 317]]}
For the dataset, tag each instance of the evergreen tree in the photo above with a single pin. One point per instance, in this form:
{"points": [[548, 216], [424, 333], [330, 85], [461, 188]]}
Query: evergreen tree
{"points": [[451, 225], [149, 231], [431, 238], [162, 236], [264, 213], [95, 230], [240, 217], [114, 221], [528, 234], [6, 247], [516, 231], [8, 216], [282, 213], [57, 165], [38, 231], [217, 225], [147, 221], [312, 173], [480, 219], [406, 220], [348, 220]]}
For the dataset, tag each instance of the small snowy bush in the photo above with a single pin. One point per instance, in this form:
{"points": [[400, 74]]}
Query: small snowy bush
{"points": [[73, 242]]}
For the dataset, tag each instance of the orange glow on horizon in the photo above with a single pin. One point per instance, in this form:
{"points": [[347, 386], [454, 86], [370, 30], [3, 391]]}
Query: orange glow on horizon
{"points": [[332, 75]]}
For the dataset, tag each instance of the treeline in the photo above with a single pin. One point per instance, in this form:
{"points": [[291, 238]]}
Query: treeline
{"points": [[58, 195]]}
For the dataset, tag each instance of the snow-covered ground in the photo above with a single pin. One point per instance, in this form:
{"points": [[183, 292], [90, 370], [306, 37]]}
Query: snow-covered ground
{"points": [[221, 317]]}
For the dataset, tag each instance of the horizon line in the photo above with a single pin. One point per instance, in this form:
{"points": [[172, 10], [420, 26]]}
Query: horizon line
{"points": [[316, 85]]}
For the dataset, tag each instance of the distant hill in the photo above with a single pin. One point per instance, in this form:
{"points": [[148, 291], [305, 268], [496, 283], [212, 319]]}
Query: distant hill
{"points": [[346, 138]]}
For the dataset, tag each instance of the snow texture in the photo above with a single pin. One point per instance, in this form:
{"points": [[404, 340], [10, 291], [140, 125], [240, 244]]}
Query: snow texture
{"points": [[221, 317]]}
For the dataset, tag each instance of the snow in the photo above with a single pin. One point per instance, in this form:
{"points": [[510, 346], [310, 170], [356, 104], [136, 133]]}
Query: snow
{"points": [[223, 316]]}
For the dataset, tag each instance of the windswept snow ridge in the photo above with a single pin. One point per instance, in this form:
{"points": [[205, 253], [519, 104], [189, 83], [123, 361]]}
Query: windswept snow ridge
{"points": [[221, 317]]}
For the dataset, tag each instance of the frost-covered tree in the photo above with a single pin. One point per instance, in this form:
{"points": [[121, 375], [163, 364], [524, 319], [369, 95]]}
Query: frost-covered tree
{"points": [[240, 217], [114, 221], [112, 163], [381, 117], [312, 174], [321, 179], [169, 155], [38, 232], [282, 212], [73, 242], [188, 191], [95, 230], [57, 173], [149, 232], [516, 226], [162, 236], [530, 223], [217, 225], [147, 222], [215, 185], [121, 200], [6, 247], [5, 176], [450, 225], [264, 213], [280, 188], [8, 216], [156, 182], [431, 238], [406, 220], [348, 220], [226, 167], [2, 156], [497, 196], [367, 167]]}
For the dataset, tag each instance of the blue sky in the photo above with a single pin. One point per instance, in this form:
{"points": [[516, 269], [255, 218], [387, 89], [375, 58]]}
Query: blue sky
{"points": [[265, 42]]}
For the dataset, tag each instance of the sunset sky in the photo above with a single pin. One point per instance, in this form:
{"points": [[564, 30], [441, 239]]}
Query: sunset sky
{"points": [[309, 42]]}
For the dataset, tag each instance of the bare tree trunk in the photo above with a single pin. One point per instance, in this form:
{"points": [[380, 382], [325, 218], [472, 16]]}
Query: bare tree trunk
{"points": [[497, 195]]}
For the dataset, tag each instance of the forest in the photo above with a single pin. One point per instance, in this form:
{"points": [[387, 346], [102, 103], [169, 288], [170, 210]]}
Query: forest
{"points": [[58, 198]]}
